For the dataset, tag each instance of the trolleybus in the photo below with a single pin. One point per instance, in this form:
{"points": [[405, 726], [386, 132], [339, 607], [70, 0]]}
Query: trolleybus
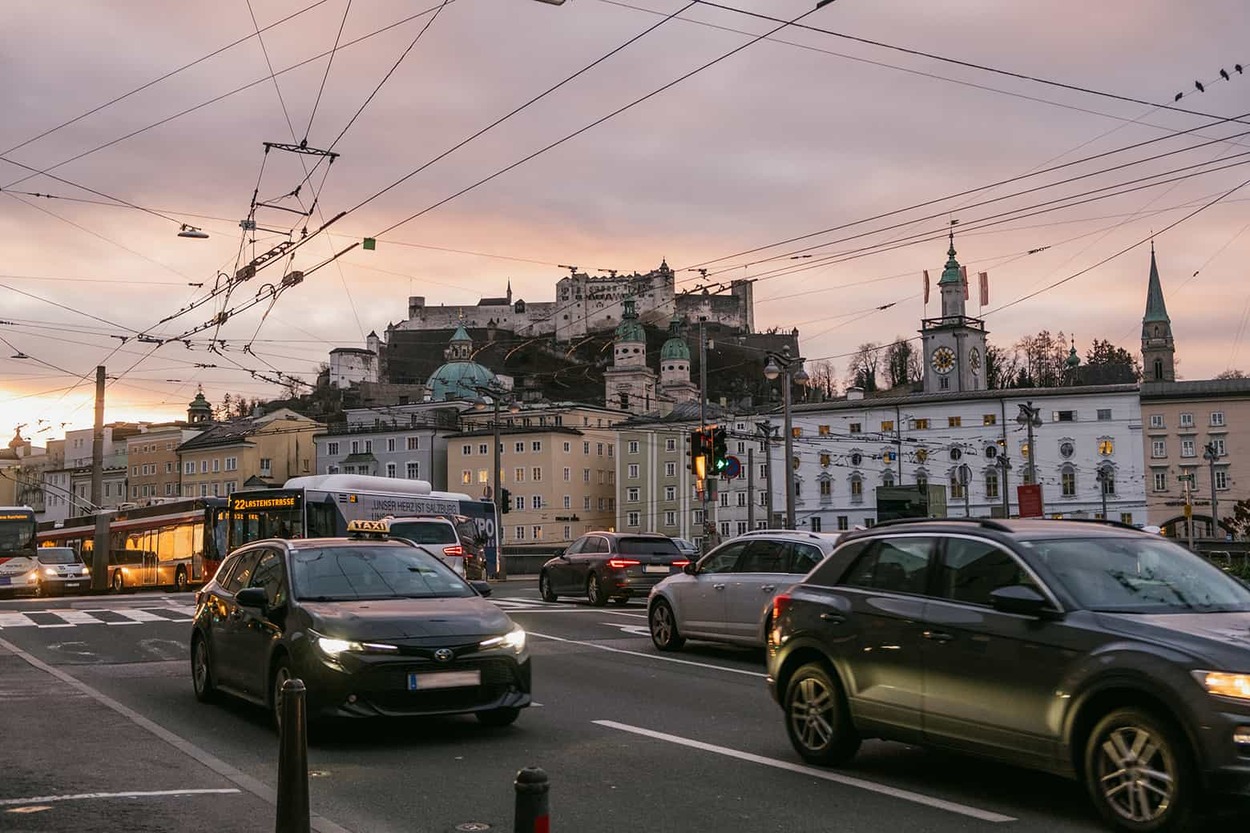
{"points": [[18, 566]]}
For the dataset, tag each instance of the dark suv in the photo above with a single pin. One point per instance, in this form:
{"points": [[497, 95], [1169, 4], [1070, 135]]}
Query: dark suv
{"points": [[1091, 650], [611, 565]]}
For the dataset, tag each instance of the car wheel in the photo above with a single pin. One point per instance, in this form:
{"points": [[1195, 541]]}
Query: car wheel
{"points": [[119, 581], [281, 673], [663, 627], [1139, 774], [498, 718], [180, 580], [201, 671], [817, 718], [544, 588], [594, 591]]}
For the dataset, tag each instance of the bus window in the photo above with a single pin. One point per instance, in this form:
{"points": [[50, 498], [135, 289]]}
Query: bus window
{"points": [[321, 517]]}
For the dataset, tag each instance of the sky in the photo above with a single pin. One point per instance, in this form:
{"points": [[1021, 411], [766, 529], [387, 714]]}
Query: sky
{"points": [[108, 146]]}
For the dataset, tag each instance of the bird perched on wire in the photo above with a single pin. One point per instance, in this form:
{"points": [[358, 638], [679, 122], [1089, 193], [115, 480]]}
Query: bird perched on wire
{"points": [[1238, 68], [1178, 97], [1224, 74], [1201, 88]]}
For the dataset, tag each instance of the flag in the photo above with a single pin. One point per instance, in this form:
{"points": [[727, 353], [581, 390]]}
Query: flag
{"points": [[963, 276], [370, 243], [985, 288], [926, 286]]}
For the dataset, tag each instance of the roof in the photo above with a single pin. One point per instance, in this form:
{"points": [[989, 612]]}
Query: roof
{"points": [[461, 334], [1199, 389], [236, 431], [953, 272], [675, 347], [1156, 309], [947, 396], [458, 380], [682, 412], [505, 430]]}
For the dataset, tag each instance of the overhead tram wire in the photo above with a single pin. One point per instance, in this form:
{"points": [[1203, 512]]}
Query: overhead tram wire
{"points": [[575, 133], [329, 63]]}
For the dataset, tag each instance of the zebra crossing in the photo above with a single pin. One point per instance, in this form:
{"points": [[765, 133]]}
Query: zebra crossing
{"points": [[173, 613]]}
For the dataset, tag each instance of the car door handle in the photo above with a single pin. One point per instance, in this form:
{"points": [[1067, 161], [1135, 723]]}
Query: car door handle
{"points": [[768, 588], [718, 587], [833, 618], [938, 636]]}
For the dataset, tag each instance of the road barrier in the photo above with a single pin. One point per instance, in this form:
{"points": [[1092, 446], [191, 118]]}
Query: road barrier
{"points": [[293, 760], [531, 802]]}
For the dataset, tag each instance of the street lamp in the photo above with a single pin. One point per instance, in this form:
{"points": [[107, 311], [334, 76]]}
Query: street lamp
{"points": [[1103, 477], [1004, 465], [790, 370], [965, 478], [496, 395], [1029, 418]]}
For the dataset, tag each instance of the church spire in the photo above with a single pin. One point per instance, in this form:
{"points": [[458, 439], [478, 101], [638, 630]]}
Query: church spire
{"points": [[1156, 309], [1158, 349]]}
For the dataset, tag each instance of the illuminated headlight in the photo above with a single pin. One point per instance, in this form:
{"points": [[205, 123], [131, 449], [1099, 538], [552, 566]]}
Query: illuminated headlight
{"points": [[86, 571], [1225, 684], [332, 647], [512, 641], [49, 571]]}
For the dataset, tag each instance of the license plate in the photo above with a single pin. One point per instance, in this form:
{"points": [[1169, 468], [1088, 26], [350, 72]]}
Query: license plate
{"points": [[444, 679], [73, 585], [656, 568]]}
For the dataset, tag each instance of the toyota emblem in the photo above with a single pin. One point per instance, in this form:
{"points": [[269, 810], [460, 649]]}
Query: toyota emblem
{"points": [[444, 654]]}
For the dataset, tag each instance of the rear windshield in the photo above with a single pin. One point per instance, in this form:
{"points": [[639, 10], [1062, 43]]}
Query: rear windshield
{"points": [[57, 555], [330, 574], [647, 546], [425, 532]]}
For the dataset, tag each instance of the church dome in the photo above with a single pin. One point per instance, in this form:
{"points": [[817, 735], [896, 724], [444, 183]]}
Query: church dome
{"points": [[459, 380], [675, 347]]}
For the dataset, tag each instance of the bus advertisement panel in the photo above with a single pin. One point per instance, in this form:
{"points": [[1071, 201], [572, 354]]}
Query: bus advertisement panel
{"points": [[19, 570]]}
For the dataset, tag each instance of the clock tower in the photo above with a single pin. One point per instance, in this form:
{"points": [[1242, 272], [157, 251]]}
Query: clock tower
{"points": [[954, 345]]}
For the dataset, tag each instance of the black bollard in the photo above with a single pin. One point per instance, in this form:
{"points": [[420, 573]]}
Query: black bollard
{"points": [[531, 801], [293, 761]]}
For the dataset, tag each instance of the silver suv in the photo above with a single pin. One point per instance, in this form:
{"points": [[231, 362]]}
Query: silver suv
{"points": [[728, 594]]}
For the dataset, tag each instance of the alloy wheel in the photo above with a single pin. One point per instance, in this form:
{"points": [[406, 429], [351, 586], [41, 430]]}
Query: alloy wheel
{"points": [[199, 667], [812, 713], [280, 676], [1136, 774], [662, 624]]}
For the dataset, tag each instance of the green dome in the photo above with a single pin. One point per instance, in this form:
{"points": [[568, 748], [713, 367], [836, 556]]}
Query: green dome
{"points": [[459, 380], [953, 273], [675, 347], [629, 329]]}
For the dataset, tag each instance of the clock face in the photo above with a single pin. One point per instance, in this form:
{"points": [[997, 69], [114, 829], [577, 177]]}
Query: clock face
{"points": [[974, 360], [943, 360]]}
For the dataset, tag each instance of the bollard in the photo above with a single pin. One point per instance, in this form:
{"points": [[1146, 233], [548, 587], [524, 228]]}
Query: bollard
{"points": [[531, 801], [293, 761]]}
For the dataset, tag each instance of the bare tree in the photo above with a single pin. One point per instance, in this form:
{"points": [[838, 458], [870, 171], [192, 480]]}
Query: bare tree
{"points": [[1002, 367], [823, 381], [865, 366], [902, 363], [1231, 373]]}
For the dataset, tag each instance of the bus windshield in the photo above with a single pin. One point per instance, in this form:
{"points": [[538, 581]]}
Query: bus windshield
{"points": [[17, 533]]}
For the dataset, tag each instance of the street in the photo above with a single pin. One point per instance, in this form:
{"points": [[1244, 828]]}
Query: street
{"points": [[631, 739]]}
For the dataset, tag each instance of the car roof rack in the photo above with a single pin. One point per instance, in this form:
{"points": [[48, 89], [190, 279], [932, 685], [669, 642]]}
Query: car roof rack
{"points": [[984, 523]]}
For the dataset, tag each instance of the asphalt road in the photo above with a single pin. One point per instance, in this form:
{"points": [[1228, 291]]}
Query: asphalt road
{"points": [[631, 739]]}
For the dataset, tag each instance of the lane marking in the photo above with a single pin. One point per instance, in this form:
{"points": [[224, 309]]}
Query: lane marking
{"points": [[48, 799], [632, 630], [139, 615], [235, 776], [801, 769], [15, 620], [650, 656]]}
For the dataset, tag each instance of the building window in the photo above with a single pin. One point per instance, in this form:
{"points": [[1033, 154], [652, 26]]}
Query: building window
{"points": [[633, 471], [266, 465], [536, 502], [1217, 445], [390, 443], [920, 424], [670, 493], [586, 502], [887, 478], [355, 446], [536, 445], [887, 425], [518, 502], [466, 477], [956, 487], [633, 447], [585, 448], [536, 474], [1187, 420], [1107, 478], [1217, 419], [482, 448], [216, 465], [989, 419], [1104, 414], [670, 444], [611, 449], [1159, 448], [991, 484], [518, 475], [568, 532], [568, 447], [764, 472], [519, 447], [1221, 479], [599, 449], [954, 422], [1063, 416], [857, 489], [482, 475], [1156, 421], [670, 469], [414, 444], [520, 533], [568, 474], [632, 519], [825, 459], [822, 430], [632, 494], [1160, 481], [391, 470], [332, 449], [1106, 447], [412, 471], [826, 487], [724, 529], [1188, 448], [742, 498], [568, 502], [585, 475], [854, 428], [724, 498], [670, 518], [1067, 482]]}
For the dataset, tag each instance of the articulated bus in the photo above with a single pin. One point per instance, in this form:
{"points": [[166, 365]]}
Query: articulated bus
{"points": [[321, 506], [173, 544], [18, 567]]}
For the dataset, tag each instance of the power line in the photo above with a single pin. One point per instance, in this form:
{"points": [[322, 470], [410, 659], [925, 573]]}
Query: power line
{"points": [[329, 64]]}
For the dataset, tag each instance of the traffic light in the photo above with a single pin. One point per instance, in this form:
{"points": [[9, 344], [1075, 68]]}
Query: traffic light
{"points": [[698, 452], [505, 501], [720, 450]]}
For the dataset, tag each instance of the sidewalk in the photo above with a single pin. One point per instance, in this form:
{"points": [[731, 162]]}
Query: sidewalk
{"points": [[73, 763]]}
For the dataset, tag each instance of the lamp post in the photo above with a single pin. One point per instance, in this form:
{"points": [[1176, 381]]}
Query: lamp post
{"points": [[1004, 466], [496, 397], [1211, 455], [1030, 419], [965, 478], [790, 370], [1102, 478], [768, 430]]}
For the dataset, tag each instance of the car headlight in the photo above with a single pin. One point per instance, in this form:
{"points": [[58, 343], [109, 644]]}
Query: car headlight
{"points": [[514, 640], [86, 571], [1225, 684], [49, 571], [332, 647]]}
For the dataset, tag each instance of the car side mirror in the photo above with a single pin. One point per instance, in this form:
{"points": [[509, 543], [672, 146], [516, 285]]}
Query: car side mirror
{"points": [[1022, 600], [252, 597], [482, 587], [563, 555], [690, 569]]}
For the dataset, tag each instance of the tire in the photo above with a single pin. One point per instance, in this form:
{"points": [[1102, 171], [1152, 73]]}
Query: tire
{"points": [[180, 580], [280, 674], [663, 626], [119, 582], [818, 720], [544, 588], [498, 718], [202, 670], [594, 591], [1139, 772]]}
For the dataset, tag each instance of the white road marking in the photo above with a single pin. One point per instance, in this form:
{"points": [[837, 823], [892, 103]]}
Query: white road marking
{"points": [[76, 617], [15, 620], [48, 799], [632, 630], [837, 778], [138, 615], [650, 656]]}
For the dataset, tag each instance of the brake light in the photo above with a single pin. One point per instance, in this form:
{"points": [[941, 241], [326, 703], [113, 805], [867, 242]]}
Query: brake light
{"points": [[685, 562], [456, 550], [781, 603], [618, 563]]}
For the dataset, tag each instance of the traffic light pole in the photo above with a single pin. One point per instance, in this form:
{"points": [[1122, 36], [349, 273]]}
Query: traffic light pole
{"points": [[705, 446]]}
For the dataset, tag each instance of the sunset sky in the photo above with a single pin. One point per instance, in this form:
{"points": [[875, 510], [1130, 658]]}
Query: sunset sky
{"points": [[793, 135]]}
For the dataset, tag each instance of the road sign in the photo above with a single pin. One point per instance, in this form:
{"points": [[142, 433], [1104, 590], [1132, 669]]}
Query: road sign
{"points": [[1029, 498], [733, 468]]}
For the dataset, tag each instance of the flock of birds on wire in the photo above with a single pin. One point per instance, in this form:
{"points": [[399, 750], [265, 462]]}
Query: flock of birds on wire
{"points": [[1200, 87]]}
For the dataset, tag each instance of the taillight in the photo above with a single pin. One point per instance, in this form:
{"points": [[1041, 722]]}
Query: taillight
{"points": [[781, 603], [619, 563], [456, 550], [685, 562]]}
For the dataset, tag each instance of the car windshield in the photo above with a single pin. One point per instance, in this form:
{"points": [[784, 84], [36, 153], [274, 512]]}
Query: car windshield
{"points": [[647, 546], [1138, 575], [57, 555], [424, 532], [349, 573]]}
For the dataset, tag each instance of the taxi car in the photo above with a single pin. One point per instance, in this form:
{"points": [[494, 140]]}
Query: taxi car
{"points": [[374, 626]]}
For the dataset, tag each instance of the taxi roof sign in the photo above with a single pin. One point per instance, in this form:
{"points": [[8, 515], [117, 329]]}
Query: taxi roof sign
{"points": [[364, 528]]}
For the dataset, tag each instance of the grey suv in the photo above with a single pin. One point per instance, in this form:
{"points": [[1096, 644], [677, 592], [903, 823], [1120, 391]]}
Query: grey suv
{"points": [[1091, 650]]}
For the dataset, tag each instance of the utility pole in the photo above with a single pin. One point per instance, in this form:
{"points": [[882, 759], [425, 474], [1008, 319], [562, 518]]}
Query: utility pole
{"points": [[965, 477], [750, 488], [1004, 466], [1102, 490], [1029, 418], [790, 371], [100, 544], [1188, 480], [1211, 455], [766, 445], [706, 496]]}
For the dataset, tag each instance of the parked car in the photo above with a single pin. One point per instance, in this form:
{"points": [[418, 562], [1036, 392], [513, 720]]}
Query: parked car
{"points": [[374, 628], [61, 570], [453, 538], [728, 595], [687, 547], [1091, 650], [610, 565]]}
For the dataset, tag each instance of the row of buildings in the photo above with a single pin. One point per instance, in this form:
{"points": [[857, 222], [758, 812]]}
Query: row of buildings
{"points": [[1140, 453]]}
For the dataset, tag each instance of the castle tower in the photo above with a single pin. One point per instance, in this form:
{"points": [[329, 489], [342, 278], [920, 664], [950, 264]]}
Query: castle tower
{"points": [[954, 345], [675, 367], [629, 384], [199, 412], [1158, 350]]}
